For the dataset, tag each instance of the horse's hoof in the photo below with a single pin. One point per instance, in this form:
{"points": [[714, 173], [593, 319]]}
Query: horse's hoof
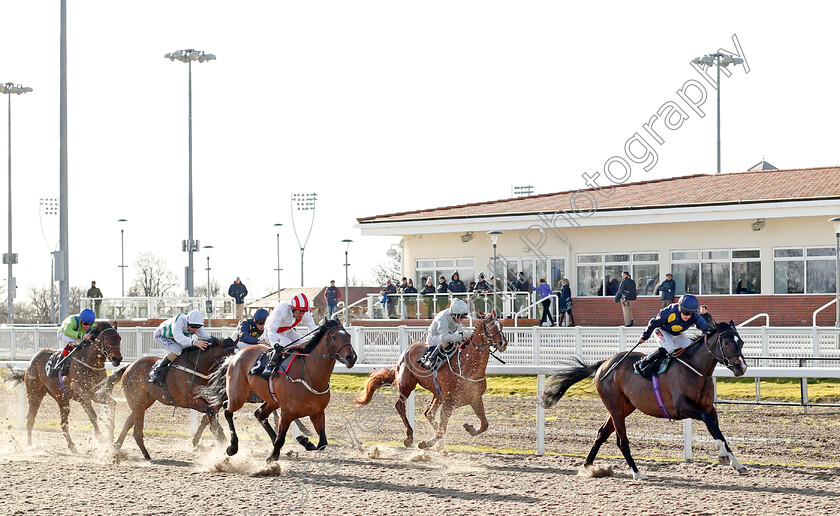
{"points": [[723, 459], [408, 442], [272, 458], [743, 471], [231, 450], [422, 445], [639, 476]]}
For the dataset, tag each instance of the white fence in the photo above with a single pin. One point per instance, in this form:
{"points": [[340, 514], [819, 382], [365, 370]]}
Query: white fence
{"points": [[158, 307], [527, 346]]}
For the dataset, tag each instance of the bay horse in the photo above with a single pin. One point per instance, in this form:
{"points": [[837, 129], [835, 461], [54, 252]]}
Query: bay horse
{"points": [[180, 388], [85, 376], [460, 381], [687, 390], [303, 390]]}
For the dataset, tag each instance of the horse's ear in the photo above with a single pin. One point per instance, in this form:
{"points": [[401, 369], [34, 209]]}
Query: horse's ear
{"points": [[115, 324], [494, 313], [731, 323], [480, 314]]}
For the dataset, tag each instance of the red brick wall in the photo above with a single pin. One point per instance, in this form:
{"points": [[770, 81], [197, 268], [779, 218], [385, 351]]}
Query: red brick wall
{"points": [[789, 310]]}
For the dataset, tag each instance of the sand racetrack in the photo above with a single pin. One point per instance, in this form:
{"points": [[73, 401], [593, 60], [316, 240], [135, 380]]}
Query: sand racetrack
{"points": [[794, 460]]}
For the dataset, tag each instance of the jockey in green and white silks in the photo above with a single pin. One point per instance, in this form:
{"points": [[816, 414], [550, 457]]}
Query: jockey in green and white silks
{"points": [[177, 333], [75, 329], [446, 330]]}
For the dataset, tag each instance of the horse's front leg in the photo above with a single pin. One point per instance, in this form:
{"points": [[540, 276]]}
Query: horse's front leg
{"points": [[478, 408], [319, 421], [285, 422], [710, 418], [91, 414], [445, 413]]}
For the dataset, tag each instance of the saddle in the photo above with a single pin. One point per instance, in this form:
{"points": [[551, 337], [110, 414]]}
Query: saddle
{"points": [[262, 360], [51, 369], [437, 356], [658, 367]]}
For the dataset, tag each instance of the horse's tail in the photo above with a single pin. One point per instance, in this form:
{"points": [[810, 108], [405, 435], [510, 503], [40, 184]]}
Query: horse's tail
{"points": [[112, 380], [374, 382], [561, 382], [215, 392], [16, 375]]}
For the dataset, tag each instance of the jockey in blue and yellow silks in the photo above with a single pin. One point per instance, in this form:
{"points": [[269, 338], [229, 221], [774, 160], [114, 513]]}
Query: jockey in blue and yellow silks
{"points": [[668, 327], [251, 329]]}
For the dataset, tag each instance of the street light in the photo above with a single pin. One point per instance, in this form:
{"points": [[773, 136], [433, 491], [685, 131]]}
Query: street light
{"points": [[122, 265], [49, 206], [208, 271], [188, 56], [494, 238], [719, 60], [346, 281], [836, 221], [303, 202], [10, 88], [278, 269]]}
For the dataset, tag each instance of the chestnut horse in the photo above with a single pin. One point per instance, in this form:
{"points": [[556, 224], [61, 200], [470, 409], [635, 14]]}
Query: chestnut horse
{"points": [[303, 390], [687, 390], [180, 388], [460, 381], [84, 378]]}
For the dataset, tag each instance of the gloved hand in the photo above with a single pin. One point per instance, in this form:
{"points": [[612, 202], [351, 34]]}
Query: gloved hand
{"points": [[467, 334]]}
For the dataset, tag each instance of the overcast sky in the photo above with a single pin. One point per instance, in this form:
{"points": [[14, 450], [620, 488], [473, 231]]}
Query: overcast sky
{"points": [[378, 107]]}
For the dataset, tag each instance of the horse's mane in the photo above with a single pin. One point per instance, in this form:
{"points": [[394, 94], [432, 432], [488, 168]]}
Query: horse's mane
{"points": [[100, 327], [314, 338]]}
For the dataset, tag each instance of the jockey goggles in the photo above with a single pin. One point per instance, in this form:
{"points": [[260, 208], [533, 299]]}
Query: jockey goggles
{"points": [[686, 312]]}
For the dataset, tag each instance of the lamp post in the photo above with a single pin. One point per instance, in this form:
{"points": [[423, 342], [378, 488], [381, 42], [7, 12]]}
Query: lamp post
{"points": [[278, 269], [303, 202], [719, 60], [10, 88], [836, 222], [494, 238], [49, 206], [122, 256], [190, 246], [208, 270], [346, 281]]}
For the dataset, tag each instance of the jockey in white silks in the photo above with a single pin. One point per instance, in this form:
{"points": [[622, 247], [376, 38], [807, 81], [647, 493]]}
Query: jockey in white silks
{"points": [[175, 334], [280, 327], [446, 330]]}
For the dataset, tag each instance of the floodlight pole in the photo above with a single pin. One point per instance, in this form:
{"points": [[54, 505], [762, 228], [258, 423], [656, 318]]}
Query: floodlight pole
{"points": [[346, 282]]}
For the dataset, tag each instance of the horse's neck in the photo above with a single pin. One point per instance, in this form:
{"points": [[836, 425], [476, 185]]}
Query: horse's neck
{"points": [[477, 354], [91, 356], [319, 368], [699, 357]]}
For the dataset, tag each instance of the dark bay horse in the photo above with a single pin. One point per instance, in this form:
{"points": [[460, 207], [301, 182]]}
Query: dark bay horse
{"points": [[83, 381], [181, 388], [304, 390], [462, 380], [686, 387]]}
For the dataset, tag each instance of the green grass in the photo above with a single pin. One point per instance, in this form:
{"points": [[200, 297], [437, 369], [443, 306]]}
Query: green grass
{"points": [[782, 389]]}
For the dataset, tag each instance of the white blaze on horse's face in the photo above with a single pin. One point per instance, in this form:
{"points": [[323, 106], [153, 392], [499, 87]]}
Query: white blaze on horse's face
{"points": [[496, 326]]}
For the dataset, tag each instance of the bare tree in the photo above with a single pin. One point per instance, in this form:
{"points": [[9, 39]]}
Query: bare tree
{"points": [[390, 269], [39, 304], [152, 277], [215, 289]]}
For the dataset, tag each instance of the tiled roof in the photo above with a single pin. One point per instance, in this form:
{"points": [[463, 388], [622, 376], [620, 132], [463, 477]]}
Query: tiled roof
{"points": [[715, 189]]}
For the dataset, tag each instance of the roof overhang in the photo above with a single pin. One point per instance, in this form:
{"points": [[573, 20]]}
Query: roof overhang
{"points": [[609, 217]]}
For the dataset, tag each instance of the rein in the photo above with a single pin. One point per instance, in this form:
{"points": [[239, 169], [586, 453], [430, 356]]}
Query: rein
{"points": [[487, 338], [305, 371]]}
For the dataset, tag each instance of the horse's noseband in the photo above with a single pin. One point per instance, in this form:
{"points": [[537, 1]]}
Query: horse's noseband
{"points": [[98, 339], [724, 358]]}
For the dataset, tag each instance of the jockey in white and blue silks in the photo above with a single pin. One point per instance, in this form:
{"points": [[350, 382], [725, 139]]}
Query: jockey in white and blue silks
{"points": [[280, 327], [177, 333], [446, 330], [668, 327]]}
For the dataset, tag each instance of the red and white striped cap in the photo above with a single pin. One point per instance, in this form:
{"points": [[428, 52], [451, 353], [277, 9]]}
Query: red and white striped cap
{"points": [[300, 302]]}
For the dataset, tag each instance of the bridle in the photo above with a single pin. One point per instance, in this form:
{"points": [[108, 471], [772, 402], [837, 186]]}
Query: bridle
{"points": [[488, 339], [101, 342], [724, 358]]}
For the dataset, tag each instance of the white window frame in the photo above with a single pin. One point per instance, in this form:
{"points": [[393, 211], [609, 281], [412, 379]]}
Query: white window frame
{"points": [[805, 259]]}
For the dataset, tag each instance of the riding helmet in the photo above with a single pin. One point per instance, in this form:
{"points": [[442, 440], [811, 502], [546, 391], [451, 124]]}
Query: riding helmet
{"points": [[260, 316], [689, 303], [87, 316], [458, 308], [300, 302], [195, 318]]}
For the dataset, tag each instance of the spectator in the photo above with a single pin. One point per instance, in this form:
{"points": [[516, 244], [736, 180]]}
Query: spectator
{"points": [[564, 300], [545, 291], [333, 294], [521, 285], [704, 313], [442, 288], [387, 300], [96, 294], [626, 293], [667, 288], [429, 293], [457, 286], [238, 292], [410, 300]]}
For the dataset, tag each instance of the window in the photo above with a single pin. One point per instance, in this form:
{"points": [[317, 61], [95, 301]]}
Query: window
{"points": [[558, 272], [600, 274], [717, 271], [797, 270], [446, 267]]}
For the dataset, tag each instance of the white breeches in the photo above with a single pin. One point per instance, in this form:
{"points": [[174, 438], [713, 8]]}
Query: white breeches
{"points": [[670, 342], [285, 339], [63, 340]]}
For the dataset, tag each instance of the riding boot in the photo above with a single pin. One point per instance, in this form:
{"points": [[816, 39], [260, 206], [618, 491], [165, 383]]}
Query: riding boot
{"points": [[430, 357], [646, 362], [272, 362], [160, 365]]}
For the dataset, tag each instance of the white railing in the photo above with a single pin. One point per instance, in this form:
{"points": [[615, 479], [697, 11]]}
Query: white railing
{"points": [[535, 303], [753, 318], [820, 309], [425, 306], [158, 307]]}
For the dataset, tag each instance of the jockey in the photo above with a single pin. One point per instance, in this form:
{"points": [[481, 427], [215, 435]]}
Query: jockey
{"points": [[251, 329], [76, 329], [668, 327], [444, 332], [175, 334], [280, 332]]}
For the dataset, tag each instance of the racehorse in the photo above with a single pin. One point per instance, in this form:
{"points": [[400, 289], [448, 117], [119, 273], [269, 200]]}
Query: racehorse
{"points": [[460, 381], [303, 389], [686, 390], [85, 376], [180, 388]]}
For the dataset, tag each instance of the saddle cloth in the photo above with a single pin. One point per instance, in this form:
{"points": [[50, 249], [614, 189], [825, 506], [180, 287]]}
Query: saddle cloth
{"points": [[262, 360], [50, 368], [657, 368]]}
